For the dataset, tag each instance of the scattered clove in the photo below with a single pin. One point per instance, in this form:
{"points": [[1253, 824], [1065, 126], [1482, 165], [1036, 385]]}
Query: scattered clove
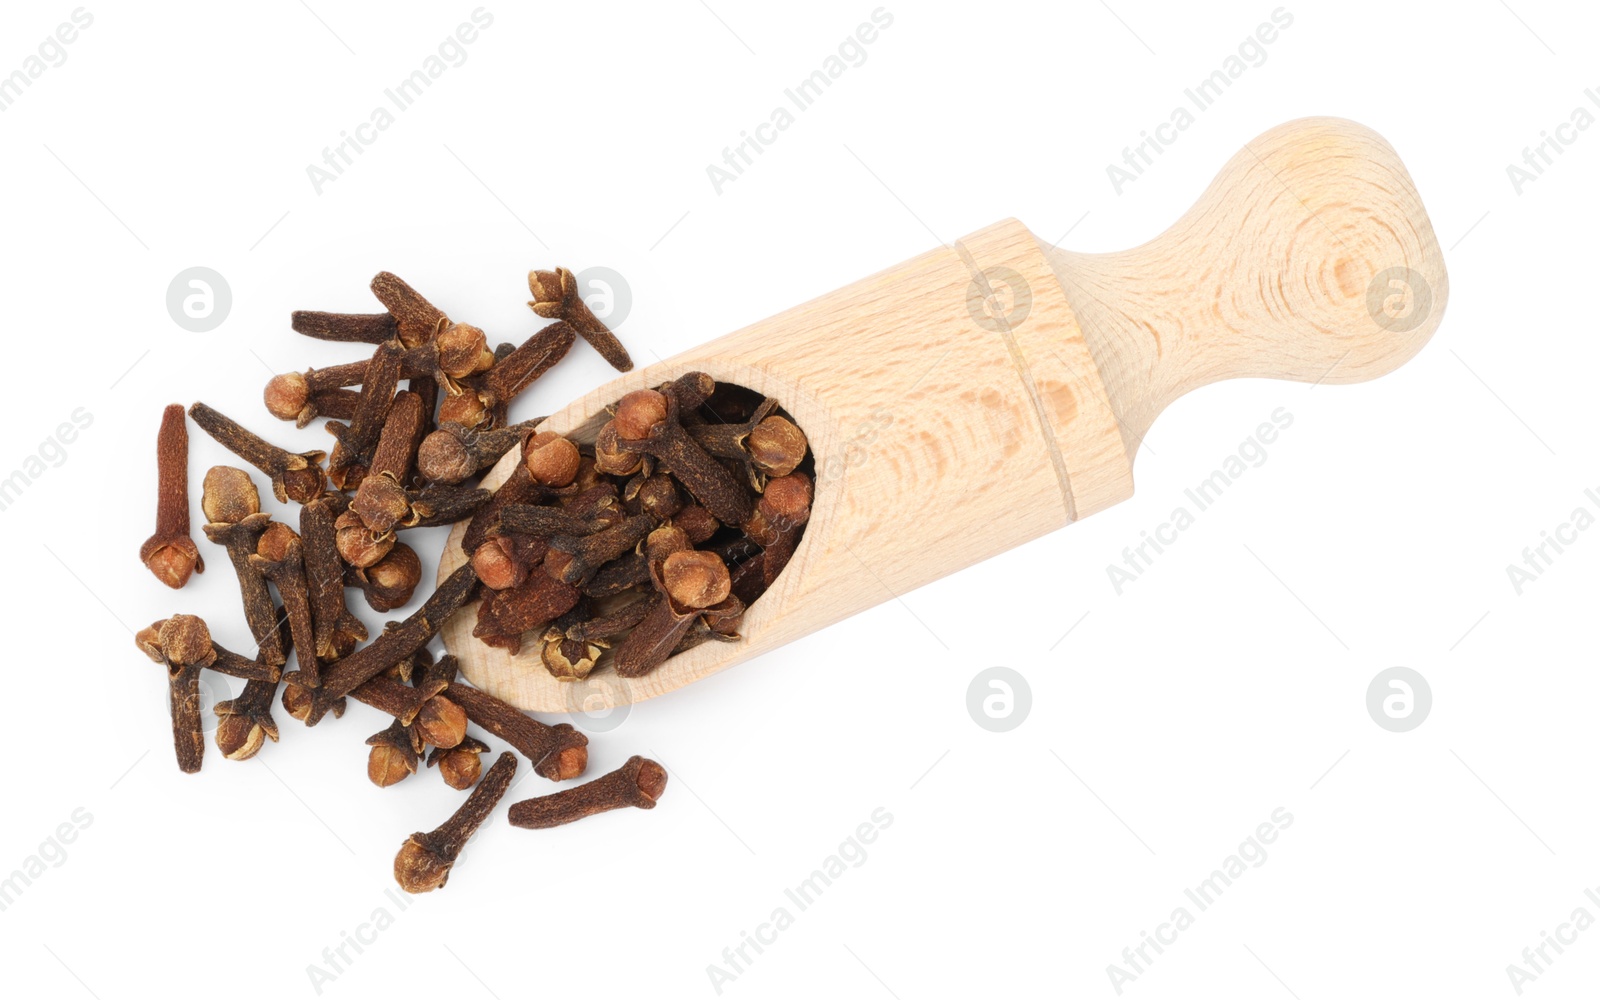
{"points": [[638, 783], [183, 644], [453, 452], [460, 765], [234, 520], [393, 756], [391, 647], [388, 583], [278, 558], [557, 752], [294, 477], [337, 632], [425, 859], [170, 553], [555, 296]]}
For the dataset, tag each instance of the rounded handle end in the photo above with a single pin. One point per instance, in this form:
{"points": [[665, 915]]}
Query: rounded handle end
{"points": [[1310, 258]]}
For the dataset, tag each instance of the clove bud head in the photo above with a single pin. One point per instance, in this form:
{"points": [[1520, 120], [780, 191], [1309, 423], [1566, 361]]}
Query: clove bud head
{"points": [[776, 446], [460, 766], [551, 459], [418, 869], [461, 349], [441, 722], [357, 544], [443, 457], [172, 560], [240, 737], [466, 408], [389, 765], [179, 641], [228, 495], [501, 562], [695, 579], [286, 395], [611, 459], [381, 503], [638, 413], [391, 580]]}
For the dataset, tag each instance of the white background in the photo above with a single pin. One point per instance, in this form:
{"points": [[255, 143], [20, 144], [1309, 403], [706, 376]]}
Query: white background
{"points": [[1229, 681]]}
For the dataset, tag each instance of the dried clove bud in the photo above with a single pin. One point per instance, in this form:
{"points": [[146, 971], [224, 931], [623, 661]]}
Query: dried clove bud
{"points": [[453, 453], [170, 553], [388, 583], [776, 446], [356, 440], [557, 752], [233, 510], [647, 421], [555, 296], [245, 723], [486, 399], [574, 560], [337, 631], [637, 414], [459, 766], [183, 644], [504, 561], [430, 715], [551, 459], [610, 458], [688, 582], [416, 319], [506, 615], [294, 477], [278, 558], [425, 859], [350, 328], [394, 645], [393, 756], [638, 783]]}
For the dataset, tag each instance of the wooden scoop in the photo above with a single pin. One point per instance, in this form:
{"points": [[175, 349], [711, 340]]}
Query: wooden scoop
{"points": [[983, 394]]}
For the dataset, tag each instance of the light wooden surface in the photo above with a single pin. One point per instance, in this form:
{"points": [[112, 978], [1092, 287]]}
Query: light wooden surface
{"points": [[978, 396]]}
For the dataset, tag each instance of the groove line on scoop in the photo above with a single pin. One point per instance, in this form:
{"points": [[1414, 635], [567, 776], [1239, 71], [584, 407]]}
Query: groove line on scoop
{"points": [[1018, 361]]}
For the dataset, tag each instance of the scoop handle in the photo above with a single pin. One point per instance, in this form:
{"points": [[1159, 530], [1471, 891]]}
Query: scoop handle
{"points": [[1310, 257]]}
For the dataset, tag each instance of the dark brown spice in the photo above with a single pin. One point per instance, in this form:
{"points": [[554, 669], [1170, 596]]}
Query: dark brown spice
{"points": [[453, 453], [575, 560], [388, 583], [557, 752], [638, 783], [430, 714], [485, 401], [460, 765], [393, 756], [416, 319], [425, 859], [506, 615], [278, 558], [555, 296], [350, 328], [337, 631], [182, 644], [294, 477], [666, 440], [245, 723], [519, 487], [348, 463], [392, 646], [505, 561], [170, 553], [235, 522]]}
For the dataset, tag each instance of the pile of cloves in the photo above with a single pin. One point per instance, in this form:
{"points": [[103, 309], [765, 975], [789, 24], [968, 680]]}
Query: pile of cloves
{"points": [[622, 552]]}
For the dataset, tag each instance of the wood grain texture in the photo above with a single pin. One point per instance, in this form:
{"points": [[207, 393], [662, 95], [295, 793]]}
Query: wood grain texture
{"points": [[980, 395]]}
